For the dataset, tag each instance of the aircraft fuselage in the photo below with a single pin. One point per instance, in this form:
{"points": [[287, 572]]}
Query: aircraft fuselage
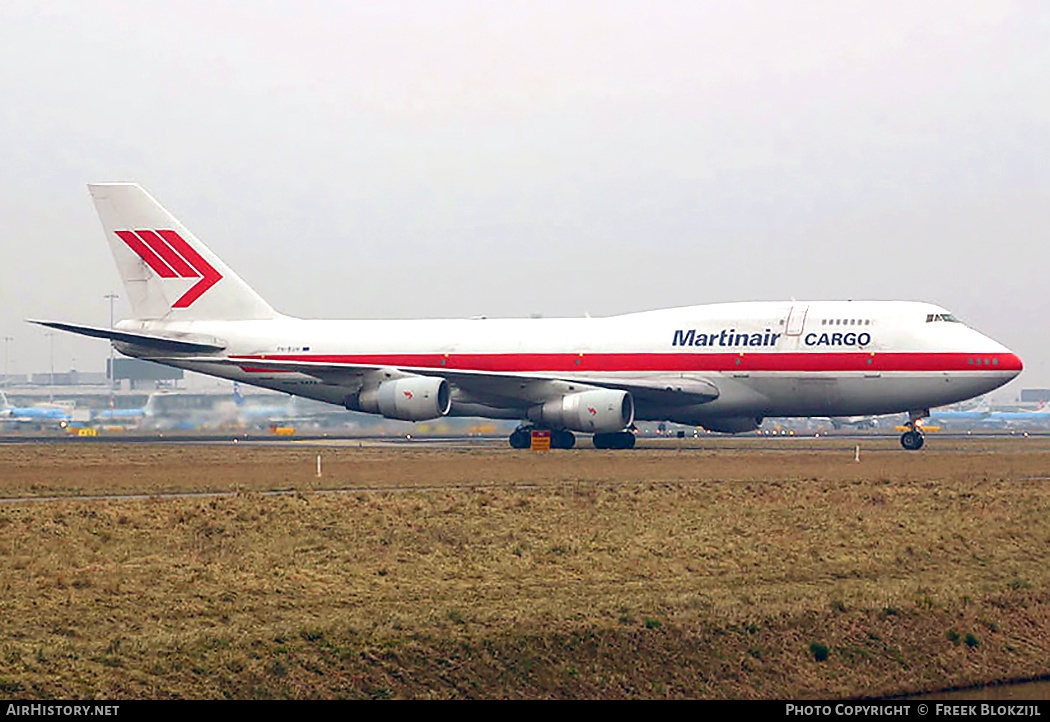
{"points": [[838, 359]]}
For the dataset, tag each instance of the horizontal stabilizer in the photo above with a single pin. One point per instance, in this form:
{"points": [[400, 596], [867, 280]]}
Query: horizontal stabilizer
{"points": [[169, 343]]}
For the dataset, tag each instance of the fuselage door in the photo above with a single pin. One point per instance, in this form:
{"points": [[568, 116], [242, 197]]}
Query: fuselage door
{"points": [[797, 319]]}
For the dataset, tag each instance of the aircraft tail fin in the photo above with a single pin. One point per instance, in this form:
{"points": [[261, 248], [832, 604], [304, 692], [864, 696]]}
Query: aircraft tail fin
{"points": [[167, 272]]}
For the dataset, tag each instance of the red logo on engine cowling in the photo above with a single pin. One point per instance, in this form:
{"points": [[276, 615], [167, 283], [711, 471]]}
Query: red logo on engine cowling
{"points": [[170, 256]]}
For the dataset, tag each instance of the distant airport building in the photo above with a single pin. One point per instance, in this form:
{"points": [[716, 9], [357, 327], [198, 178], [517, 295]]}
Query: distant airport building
{"points": [[69, 378], [1035, 396], [135, 371]]}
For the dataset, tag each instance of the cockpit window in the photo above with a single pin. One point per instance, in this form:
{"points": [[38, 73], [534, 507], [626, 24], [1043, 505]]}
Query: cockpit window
{"points": [[932, 317]]}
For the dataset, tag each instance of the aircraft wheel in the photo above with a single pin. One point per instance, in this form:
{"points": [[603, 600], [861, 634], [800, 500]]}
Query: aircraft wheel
{"points": [[617, 440], [520, 439], [912, 440], [563, 439]]}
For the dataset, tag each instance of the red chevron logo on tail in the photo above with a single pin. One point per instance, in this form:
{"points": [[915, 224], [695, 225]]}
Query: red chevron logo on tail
{"points": [[170, 256]]}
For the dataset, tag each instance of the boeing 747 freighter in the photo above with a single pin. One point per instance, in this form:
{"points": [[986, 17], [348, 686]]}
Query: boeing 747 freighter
{"points": [[722, 366]]}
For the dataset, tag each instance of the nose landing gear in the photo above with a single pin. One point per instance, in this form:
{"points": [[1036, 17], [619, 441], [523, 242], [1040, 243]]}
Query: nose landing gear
{"points": [[914, 438]]}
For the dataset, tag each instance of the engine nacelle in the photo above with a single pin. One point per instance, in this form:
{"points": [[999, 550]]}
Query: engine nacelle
{"points": [[732, 424], [599, 411], [415, 398]]}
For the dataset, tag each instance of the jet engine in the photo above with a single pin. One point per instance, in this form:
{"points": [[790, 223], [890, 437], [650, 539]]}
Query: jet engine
{"points": [[415, 398], [598, 411]]}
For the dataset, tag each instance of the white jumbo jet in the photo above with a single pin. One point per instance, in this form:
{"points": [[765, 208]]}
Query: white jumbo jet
{"points": [[720, 366]]}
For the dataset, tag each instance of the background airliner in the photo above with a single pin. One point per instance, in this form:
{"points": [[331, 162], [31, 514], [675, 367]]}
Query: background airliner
{"points": [[987, 418], [721, 366], [40, 415]]}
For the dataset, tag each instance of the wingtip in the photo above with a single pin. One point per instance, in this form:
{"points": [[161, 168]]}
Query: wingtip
{"points": [[98, 188]]}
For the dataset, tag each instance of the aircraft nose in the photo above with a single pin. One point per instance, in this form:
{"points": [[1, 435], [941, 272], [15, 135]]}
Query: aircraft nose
{"points": [[1012, 362]]}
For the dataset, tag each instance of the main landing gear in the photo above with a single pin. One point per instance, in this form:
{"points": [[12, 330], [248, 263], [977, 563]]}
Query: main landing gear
{"points": [[521, 438], [914, 438], [615, 440]]}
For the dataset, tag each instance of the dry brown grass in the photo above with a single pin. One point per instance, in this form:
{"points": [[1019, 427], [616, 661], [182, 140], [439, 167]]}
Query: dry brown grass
{"points": [[680, 573]]}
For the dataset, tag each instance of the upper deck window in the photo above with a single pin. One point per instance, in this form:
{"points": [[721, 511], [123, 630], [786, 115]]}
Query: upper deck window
{"points": [[845, 322]]}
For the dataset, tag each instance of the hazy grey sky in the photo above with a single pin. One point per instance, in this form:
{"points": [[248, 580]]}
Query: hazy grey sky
{"points": [[406, 159]]}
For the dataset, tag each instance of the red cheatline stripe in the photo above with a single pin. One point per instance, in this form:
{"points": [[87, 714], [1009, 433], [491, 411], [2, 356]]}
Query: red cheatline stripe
{"points": [[146, 254], [670, 362], [166, 252], [209, 276]]}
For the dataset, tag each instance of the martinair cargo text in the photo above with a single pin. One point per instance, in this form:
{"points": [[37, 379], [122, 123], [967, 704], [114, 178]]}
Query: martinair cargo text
{"points": [[721, 366]]}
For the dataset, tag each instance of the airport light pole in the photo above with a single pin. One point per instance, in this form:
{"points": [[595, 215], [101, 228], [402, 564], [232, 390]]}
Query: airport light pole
{"points": [[7, 342], [112, 296], [51, 379]]}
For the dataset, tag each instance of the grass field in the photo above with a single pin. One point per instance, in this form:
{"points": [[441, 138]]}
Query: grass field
{"points": [[759, 568]]}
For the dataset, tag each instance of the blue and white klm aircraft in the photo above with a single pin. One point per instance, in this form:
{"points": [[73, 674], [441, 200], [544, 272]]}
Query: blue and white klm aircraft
{"points": [[986, 418], [40, 415], [722, 366]]}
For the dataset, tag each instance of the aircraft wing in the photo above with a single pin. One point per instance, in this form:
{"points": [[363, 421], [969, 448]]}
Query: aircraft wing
{"points": [[492, 387]]}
